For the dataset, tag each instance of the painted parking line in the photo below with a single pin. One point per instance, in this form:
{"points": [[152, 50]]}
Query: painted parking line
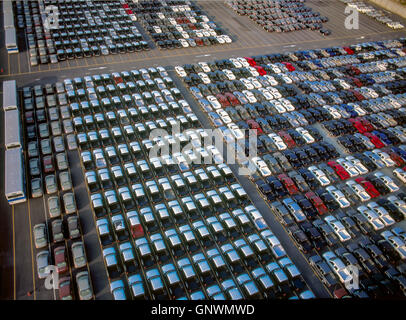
{"points": [[14, 257], [32, 250]]}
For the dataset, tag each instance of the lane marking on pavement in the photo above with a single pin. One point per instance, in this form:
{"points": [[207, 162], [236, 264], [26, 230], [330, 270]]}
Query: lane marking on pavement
{"points": [[14, 256], [32, 250]]}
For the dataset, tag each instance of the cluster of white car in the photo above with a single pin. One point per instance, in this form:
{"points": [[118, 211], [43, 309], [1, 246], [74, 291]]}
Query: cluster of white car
{"points": [[207, 29], [370, 11]]}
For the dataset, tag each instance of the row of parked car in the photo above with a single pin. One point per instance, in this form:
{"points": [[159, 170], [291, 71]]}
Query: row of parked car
{"points": [[280, 16], [172, 224], [370, 11], [83, 29], [63, 229], [178, 24], [312, 187]]}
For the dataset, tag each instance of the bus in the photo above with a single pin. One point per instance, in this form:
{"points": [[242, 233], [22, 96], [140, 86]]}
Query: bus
{"points": [[8, 20], [14, 184], [12, 129], [9, 95], [11, 40]]}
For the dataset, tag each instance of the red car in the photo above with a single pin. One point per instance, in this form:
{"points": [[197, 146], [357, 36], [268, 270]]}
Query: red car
{"points": [[348, 50], [287, 139], [367, 125], [60, 259], [358, 125], [357, 95], [339, 169], [368, 186], [374, 139], [223, 100], [65, 289], [233, 100], [254, 125], [260, 70], [356, 82], [316, 202], [48, 164], [199, 42], [191, 26], [29, 117], [250, 61], [288, 183], [289, 66], [395, 157]]}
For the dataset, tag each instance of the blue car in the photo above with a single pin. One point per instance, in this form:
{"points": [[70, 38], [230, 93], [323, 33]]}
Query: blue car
{"points": [[384, 138], [400, 152]]}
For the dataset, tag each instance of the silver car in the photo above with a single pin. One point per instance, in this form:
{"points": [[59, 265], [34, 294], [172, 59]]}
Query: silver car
{"points": [[42, 263], [69, 203], [84, 287], [36, 188], [40, 237], [54, 207], [78, 254]]}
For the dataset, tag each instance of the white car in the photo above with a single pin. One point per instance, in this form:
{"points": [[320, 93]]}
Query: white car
{"points": [[359, 190], [205, 78], [382, 213], [274, 68], [277, 140], [287, 104], [180, 71], [247, 83], [250, 96], [372, 217], [243, 61], [184, 43], [224, 116], [338, 228], [253, 71], [338, 196], [286, 78], [236, 131], [214, 102], [358, 165], [334, 113], [400, 174], [306, 135], [255, 82], [272, 81], [229, 74], [261, 166], [386, 159], [278, 106], [349, 167], [236, 63], [320, 175], [387, 181], [267, 95], [275, 92]]}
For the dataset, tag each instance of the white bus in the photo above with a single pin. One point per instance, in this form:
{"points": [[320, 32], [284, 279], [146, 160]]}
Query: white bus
{"points": [[14, 184], [12, 129], [11, 40], [8, 19], [9, 95]]}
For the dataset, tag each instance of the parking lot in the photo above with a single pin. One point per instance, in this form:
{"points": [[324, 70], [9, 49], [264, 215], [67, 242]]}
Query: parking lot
{"points": [[19, 270]]}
